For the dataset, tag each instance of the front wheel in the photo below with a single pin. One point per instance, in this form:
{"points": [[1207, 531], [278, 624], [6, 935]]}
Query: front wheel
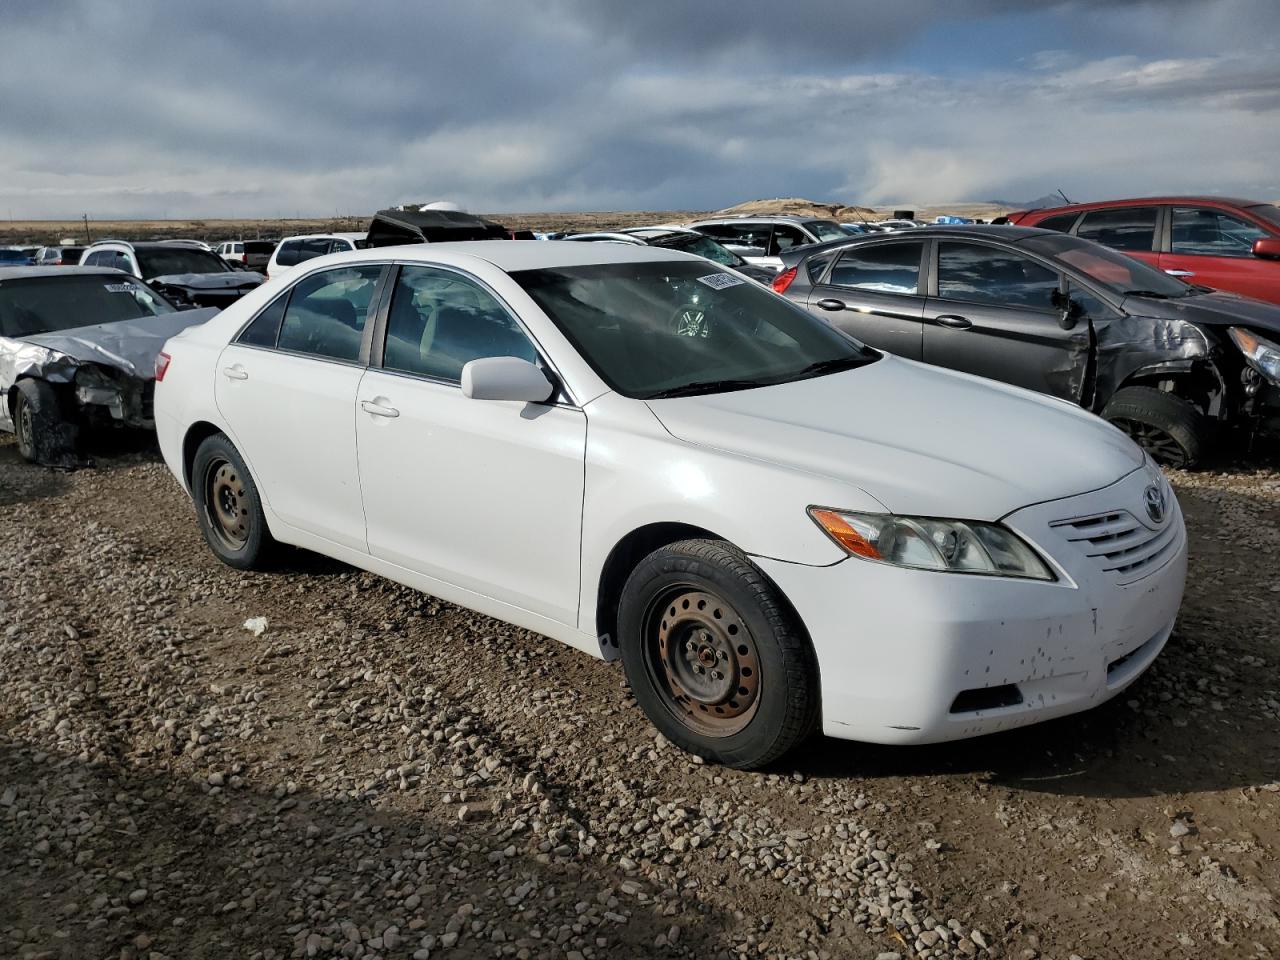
{"points": [[1169, 428], [228, 505], [714, 655], [43, 434]]}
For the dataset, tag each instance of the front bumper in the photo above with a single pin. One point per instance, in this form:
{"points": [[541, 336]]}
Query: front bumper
{"points": [[908, 656]]}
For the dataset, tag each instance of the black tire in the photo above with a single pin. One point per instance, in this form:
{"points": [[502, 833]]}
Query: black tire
{"points": [[228, 506], [745, 634], [1167, 426], [44, 435]]}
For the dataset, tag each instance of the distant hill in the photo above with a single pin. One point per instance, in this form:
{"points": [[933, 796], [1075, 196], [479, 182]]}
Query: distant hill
{"points": [[800, 207]]}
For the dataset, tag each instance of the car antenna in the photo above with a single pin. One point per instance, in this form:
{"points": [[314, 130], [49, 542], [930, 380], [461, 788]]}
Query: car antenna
{"points": [[1063, 196]]}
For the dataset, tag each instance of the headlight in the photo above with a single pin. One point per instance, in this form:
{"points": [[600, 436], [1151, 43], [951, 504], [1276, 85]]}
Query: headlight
{"points": [[1262, 354], [925, 543]]}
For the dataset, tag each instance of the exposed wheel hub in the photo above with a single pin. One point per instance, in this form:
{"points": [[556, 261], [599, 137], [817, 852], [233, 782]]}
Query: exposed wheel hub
{"points": [[227, 504], [706, 660]]}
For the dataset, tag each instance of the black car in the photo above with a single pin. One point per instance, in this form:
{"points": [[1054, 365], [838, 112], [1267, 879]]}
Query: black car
{"points": [[1167, 362], [187, 275], [686, 241], [78, 350]]}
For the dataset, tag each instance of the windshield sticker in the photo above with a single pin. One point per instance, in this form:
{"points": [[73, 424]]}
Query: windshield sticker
{"points": [[118, 287], [720, 281]]}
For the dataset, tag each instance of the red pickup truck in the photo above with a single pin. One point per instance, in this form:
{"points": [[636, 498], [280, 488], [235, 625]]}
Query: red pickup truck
{"points": [[1219, 242]]}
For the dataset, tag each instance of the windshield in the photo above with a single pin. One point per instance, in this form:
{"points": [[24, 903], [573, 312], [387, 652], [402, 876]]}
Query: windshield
{"points": [[1106, 267], [13, 256], [36, 305], [667, 329], [166, 261], [826, 230], [1266, 211], [701, 246]]}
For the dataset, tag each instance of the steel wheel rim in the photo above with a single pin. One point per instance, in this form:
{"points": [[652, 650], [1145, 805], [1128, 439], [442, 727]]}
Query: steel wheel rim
{"points": [[1159, 443], [702, 660], [226, 504], [26, 427]]}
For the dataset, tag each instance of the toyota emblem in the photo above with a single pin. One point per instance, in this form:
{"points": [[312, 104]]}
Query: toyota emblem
{"points": [[1156, 505]]}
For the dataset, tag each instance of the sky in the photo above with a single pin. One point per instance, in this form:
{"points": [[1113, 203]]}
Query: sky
{"points": [[134, 108]]}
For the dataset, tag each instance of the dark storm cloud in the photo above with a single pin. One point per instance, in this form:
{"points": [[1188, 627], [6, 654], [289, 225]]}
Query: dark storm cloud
{"points": [[320, 107]]}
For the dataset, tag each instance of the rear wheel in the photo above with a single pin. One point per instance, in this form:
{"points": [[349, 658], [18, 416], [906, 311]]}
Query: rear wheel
{"points": [[229, 508], [1165, 425], [715, 657]]}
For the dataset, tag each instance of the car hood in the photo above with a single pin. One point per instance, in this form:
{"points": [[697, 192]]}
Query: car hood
{"points": [[1212, 309], [233, 280], [127, 345], [919, 439]]}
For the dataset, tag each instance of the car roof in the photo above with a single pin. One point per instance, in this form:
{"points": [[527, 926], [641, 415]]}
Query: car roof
{"points": [[763, 218], [1144, 201], [351, 235], [513, 255], [18, 273], [975, 231]]}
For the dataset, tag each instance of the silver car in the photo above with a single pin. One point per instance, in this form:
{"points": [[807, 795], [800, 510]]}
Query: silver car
{"points": [[762, 240]]}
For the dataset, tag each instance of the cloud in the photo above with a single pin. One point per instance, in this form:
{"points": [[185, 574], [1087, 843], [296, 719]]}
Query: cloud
{"points": [[268, 109]]}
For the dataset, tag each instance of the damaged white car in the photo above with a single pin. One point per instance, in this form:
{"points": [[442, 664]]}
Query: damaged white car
{"points": [[652, 458], [77, 352]]}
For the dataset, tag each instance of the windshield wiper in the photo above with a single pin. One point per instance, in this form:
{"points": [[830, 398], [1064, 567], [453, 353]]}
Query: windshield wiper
{"points": [[830, 365], [704, 386], [1152, 294]]}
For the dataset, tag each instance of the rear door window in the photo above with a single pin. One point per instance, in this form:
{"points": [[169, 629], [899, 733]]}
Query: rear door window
{"points": [[1122, 228], [785, 237], [327, 312], [981, 274], [264, 329], [1207, 232], [880, 268], [1062, 222], [288, 254]]}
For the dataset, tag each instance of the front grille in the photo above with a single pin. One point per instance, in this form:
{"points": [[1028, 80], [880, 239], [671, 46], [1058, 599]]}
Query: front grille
{"points": [[1120, 544]]}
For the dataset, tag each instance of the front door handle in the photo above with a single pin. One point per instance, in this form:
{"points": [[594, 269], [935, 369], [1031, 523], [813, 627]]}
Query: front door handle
{"points": [[1181, 273], [373, 408], [954, 322], [235, 373], [830, 304]]}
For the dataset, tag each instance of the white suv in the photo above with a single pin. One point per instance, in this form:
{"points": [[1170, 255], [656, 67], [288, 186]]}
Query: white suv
{"points": [[295, 250], [761, 240]]}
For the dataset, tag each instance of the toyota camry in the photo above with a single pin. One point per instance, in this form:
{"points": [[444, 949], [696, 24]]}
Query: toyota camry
{"points": [[776, 528]]}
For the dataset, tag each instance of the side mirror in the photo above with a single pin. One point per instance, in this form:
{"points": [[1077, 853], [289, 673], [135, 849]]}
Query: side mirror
{"points": [[505, 378], [1068, 310], [1267, 247]]}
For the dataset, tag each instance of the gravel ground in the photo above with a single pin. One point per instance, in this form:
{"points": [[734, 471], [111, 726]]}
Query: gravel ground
{"points": [[379, 774]]}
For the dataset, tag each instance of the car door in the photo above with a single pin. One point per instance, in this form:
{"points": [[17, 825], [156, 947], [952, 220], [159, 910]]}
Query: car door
{"points": [[1212, 247], [485, 495], [286, 387], [873, 292], [1131, 230], [992, 313]]}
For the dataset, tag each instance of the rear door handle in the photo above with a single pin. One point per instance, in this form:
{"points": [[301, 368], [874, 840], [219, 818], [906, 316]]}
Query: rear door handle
{"points": [[954, 322], [373, 408], [830, 304], [1181, 273], [235, 373]]}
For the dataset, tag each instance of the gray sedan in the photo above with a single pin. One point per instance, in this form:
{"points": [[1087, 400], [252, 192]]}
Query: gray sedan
{"points": [[1169, 363]]}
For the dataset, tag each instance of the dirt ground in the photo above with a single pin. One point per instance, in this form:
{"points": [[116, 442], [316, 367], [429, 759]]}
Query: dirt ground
{"points": [[380, 774]]}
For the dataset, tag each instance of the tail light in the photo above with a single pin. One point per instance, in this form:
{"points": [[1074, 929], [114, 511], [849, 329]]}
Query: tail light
{"points": [[783, 280], [162, 365]]}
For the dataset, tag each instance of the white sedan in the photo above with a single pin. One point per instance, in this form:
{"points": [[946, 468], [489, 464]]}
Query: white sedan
{"points": [[646, 456]]}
